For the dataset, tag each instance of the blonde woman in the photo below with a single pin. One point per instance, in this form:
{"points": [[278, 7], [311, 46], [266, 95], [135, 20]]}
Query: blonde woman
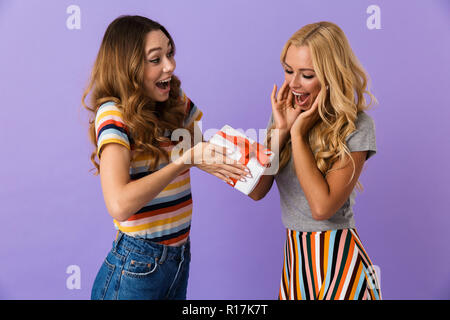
{"points": [[325, 136], [136, 102]]}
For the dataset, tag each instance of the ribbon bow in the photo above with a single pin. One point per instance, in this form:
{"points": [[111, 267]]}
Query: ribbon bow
{"points": [[248, 149]]}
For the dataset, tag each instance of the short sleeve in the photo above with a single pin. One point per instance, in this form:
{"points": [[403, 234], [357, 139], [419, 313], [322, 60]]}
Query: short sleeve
{"points": [[110, 127], [363, 138], [192, 112]]}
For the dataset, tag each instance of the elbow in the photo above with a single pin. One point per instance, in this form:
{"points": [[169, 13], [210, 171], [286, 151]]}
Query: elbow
{"points": [[256, 196], [120, 218], [118, 212], [319, 217], [320, 214]]}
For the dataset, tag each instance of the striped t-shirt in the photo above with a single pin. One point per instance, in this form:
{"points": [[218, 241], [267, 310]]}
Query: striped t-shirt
{"points": [[167, 218]]}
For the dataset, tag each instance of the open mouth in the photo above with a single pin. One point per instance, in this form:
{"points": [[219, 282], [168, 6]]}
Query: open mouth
{"points": [[301, 98], [163, 84]]}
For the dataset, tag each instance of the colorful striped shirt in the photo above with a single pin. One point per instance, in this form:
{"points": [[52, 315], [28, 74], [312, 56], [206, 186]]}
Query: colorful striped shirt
{"points": [[166, 219]]}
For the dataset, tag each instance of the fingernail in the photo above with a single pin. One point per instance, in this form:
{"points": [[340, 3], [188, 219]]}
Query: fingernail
{"points": [[242, 179], [249, 176], [246, 169]]}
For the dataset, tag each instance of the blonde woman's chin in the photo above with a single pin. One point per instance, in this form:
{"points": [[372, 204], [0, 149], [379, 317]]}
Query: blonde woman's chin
{"points": [[303, 108]]}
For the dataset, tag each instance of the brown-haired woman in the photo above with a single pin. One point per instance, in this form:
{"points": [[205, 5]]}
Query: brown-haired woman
{"points": [[136, 103]]}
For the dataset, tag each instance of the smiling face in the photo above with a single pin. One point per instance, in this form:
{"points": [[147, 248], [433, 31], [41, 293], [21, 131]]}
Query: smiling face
{"points": [[159, 65], [299, 73]]}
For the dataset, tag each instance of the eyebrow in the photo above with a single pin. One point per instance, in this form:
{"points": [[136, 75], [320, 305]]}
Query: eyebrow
{"points": [[154, 49], [302, 69], [158, 48]]}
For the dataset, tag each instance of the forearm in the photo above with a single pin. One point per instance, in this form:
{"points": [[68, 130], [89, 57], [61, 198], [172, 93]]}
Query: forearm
{"points": [[278, 140], [137, 193], [261, 189], [314, 185]]}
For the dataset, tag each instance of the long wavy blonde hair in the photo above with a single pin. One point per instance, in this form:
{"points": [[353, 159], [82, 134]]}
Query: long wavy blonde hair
{"points": [[118, 76], [337, 67]]}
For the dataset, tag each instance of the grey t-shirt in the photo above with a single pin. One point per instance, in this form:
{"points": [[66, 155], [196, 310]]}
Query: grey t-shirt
{"points": [[296, 213]]}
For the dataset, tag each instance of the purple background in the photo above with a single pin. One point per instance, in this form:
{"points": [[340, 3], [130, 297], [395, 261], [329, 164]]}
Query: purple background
{"points": [[52, 209]]}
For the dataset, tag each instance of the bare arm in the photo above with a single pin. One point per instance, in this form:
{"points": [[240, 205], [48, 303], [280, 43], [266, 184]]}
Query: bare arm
{"points": [[327, 194], [265, 183], [262, 188], [284, 116], [124, 197]]}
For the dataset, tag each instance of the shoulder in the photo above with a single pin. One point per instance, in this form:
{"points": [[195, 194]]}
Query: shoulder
{"points": [[108, 109], [185, 101], [363, 138], [364, 124], [364, 121], [110, 127], [109, 119], [109, 112], [191, 111]]}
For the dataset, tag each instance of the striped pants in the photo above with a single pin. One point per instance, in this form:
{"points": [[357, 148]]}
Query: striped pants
{"points": [[327, 265]]}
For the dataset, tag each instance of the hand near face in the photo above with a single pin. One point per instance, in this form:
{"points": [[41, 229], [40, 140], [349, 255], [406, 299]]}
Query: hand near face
{"points": [[283, 110], [306, 120]]}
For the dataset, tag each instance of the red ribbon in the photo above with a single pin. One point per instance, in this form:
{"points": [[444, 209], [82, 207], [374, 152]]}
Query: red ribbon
{"points": [[248, 149]]}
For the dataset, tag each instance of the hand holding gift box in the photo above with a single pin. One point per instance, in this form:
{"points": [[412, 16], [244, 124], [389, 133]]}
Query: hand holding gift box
{"points": [[255, 156]]}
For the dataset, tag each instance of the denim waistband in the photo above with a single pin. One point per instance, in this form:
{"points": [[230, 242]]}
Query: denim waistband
{"points": [[148, 247]]}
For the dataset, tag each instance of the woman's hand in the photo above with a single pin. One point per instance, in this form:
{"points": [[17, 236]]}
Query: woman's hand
{"points": [[306, 120], [283, 110], [212, 159]]}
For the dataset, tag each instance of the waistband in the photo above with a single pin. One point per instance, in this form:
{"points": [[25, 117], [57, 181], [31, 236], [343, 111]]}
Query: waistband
{"points": [[296, 233], [150, 248]]}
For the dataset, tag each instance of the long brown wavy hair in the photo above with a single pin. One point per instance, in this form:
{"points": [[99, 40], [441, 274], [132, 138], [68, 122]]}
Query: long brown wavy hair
{"points": [[118, 76], [337, 67]]}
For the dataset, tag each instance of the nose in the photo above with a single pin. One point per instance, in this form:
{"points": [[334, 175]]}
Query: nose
{"points": [[295, 81], [169, 65]]}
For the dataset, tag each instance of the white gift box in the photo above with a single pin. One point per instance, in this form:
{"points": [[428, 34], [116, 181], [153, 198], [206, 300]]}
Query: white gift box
{"points": [[241, 148]]}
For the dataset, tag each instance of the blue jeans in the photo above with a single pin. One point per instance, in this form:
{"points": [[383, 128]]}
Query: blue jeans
{"points": [[138, 269]]}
